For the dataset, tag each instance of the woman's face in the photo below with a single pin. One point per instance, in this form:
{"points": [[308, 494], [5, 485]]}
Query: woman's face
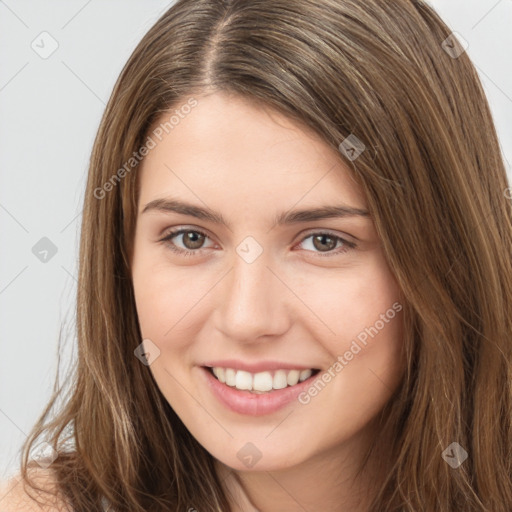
{"points": [[258, 290]]}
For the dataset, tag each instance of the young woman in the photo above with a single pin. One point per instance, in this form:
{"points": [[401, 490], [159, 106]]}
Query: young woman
{"points": [[295, 287]]}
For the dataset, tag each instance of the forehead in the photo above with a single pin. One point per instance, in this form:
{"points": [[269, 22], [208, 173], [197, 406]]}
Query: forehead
{"points": [[236, 152]]}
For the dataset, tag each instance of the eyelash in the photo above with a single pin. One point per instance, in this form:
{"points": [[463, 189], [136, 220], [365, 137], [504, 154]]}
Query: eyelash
{"points": [[347, 246]]}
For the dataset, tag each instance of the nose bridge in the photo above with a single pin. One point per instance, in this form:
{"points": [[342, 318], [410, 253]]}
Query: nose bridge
{"points": [[253, 300]]}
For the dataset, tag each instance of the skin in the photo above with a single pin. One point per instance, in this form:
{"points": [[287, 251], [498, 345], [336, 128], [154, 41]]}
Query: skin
{"points": [[291, 304]]}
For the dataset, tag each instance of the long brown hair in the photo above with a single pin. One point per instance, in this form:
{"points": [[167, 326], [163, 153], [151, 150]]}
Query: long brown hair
{"points": [[435, 183]]}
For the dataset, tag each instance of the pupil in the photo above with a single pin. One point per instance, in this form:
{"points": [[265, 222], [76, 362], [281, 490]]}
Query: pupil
{"points": [[189, 238], [322, 239]]}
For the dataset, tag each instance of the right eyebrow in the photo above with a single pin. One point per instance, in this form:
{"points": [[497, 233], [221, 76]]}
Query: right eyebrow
{"points": [[176, 206]]}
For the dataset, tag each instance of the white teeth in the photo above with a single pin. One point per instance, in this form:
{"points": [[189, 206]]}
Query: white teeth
{"points": [[260, 382], [279, 381], [305, 374], [221, 374], [243, 380], [293, 377], [230, 377]]}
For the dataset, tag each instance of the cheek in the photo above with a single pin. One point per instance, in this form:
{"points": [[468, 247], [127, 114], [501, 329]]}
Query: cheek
{"points": [[156, 294], [155, 302], [367, 365], [364, 314], [171, 303], [367, 373], [352, 301], [164, 302]]}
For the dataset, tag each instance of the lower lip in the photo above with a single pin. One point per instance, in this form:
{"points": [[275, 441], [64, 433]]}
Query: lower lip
{"points": [[252, 404]]}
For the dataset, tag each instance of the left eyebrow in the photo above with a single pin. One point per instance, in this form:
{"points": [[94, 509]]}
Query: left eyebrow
{"points": [[323, 212], [284, 218]]}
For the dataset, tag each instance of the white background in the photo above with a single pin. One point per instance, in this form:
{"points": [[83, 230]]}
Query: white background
{"points": [[49, 113]]}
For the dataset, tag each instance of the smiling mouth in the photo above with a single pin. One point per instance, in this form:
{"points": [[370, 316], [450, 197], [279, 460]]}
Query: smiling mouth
{"points": [[261, 382]]}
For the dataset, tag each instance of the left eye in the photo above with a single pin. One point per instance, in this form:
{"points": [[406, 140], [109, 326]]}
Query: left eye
{"points": [[194, 239], [319, 239]]}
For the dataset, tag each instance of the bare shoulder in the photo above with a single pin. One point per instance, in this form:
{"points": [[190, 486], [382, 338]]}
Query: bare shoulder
{"points": [[17, 496]]}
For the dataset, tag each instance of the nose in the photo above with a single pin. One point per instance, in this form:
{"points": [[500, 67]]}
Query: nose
{"points": [[254, 303]]}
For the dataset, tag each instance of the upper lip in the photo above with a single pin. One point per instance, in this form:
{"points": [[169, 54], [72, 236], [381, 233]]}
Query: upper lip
{"points": [[257, 366]]}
